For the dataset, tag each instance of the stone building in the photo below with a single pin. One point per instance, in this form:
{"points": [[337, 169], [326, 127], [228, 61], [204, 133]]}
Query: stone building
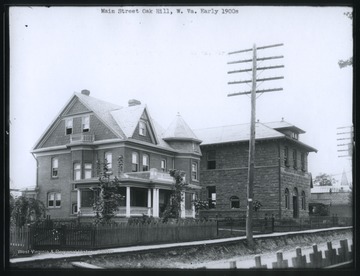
{"points": [[282, 180], [89, 132]]}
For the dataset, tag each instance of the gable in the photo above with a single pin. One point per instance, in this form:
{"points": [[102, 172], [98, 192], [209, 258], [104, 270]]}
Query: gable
{"points": [[75, 110], [147, 133], [75, 107]]}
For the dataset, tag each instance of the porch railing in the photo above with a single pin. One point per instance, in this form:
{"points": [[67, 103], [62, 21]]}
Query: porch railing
{"points": [[81, 137]]}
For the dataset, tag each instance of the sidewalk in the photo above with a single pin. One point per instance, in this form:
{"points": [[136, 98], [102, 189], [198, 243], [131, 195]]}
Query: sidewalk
{"points": [[56, 254]]}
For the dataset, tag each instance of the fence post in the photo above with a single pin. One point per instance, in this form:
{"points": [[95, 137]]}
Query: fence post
{"points": [[280, 263], [299, 261], [330, 255], [316, 257], [233, 265], [258, 262], [63, 235], [344, 251]]}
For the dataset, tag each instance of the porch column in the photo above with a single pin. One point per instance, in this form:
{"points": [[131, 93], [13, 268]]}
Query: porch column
{"points": [[193, 205], [182, 205], [127, 202], [149, 202], [155, 203], [78, 201]]}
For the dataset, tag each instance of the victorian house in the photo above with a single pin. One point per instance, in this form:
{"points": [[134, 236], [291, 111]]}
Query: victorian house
{"points": [[89, 132]]}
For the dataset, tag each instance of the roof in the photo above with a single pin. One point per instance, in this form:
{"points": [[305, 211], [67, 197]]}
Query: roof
{"points": [[235, 133], [284, 125], [127, 118], [179, 129], [103, 110]]}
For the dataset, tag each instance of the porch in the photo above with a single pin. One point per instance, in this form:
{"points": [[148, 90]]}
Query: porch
{"points": [[144, 193]]}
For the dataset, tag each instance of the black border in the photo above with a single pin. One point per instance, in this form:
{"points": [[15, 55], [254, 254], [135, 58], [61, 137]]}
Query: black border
{"points": [[5, 128]]}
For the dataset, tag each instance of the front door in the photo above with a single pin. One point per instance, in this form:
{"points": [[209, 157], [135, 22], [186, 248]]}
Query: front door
{"points": [[295, 207]]}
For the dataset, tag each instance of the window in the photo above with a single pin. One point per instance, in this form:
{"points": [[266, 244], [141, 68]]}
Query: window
{"points": [[286, 156], [89, 197], [303, 202], [142, 128], [86, 124], [108, 160], [54, 167], [74, 208], [145, 162], [54, 200], [211, 196], [294, 159], [194, 171], [68, 126], [234, 202], [211, 160], [295, 135], [188, 201], [135, 161], [77, 171], [287, 199], [88, 170], [163, 165], [303, 162]]}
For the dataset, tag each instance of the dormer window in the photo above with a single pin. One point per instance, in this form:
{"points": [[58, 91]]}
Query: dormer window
{"points": [[69, 126], [295, 135], [85, 124], [142, 128]]}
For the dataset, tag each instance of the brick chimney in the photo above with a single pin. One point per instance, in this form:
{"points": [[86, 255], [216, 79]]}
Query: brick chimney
{"points": [[134, 102], [85, 92]]}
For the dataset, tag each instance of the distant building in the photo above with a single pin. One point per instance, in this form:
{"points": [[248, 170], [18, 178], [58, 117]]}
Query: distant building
{"points": [[330, 200], [282, 180]]}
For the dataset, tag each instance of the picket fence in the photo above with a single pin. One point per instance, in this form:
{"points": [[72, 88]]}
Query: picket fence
{"points": [[69, 237], [332, 259], [19, 240]]}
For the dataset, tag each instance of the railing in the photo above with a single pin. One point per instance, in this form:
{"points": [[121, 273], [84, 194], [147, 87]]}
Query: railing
{"points": [[236, 227], [153, 174], [79, 237], [81, 137]]}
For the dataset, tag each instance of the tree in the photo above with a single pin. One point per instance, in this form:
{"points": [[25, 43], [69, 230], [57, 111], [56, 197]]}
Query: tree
{"points": [[109, 198], [24, 210], [324, 179], [173, 210], [348, 62]]}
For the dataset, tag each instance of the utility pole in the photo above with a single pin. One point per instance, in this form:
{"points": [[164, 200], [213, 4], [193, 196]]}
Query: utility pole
{"points": [[253, 92]]}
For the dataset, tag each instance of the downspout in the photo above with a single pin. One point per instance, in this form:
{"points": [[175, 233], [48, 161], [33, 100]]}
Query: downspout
{"points": [[37, 173], [279, 154]]}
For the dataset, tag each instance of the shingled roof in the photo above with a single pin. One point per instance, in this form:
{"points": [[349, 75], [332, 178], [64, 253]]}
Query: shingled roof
{"points": [[235, 133], [179, 129]]}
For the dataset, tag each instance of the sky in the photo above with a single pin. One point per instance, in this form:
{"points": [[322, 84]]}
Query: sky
{"points": [[177, 61]]}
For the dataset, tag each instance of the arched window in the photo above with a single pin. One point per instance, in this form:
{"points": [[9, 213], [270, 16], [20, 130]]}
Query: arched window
{"points": [[234, 202], [145, 162], [135, 162], [303, 201], [287, 199]]}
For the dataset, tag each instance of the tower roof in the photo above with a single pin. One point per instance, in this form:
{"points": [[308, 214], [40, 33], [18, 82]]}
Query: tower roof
{"points": [[179, 130]]}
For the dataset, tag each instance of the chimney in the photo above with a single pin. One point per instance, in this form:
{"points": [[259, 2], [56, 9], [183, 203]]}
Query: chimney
{"points": [[134, 102], [85, 92]]}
